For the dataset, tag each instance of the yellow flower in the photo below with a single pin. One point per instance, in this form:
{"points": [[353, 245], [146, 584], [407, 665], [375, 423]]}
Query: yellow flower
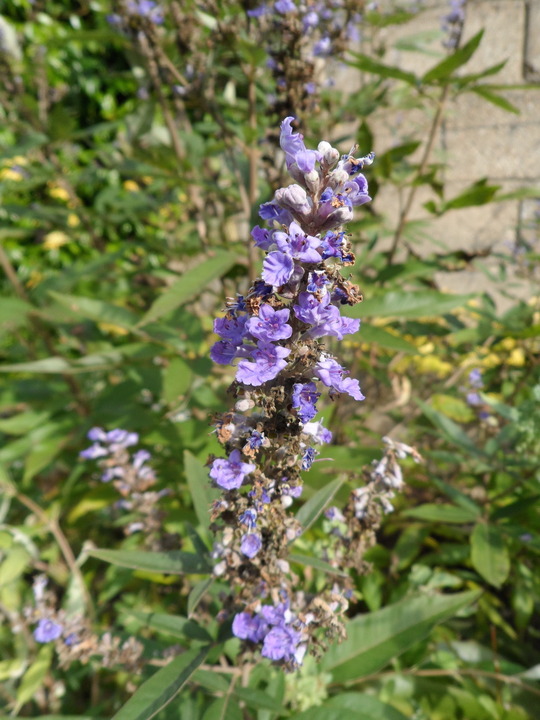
{"points": [[112, 329], [73, 220], [9, 174], [131, 186], [517, 358], [59, 193], [54, 240], [35, 278]]}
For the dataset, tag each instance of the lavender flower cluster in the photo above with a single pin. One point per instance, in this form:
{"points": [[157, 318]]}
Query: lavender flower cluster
{"points": [[321, 21], [452, 23], [274, 332], [132, 478], [72, 635]]}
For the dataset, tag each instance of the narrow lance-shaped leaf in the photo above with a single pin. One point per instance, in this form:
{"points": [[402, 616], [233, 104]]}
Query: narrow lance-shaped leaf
{"points": [[199, 486], [189, 286], [310, 511], [367, 64], [446, 67], [489, 554], [373, 640], [157, 692], [173, 563]]}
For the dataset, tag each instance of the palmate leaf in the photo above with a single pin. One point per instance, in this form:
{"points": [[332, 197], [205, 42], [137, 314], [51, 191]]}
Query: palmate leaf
{"points": [[373, 640], [157, 692]]}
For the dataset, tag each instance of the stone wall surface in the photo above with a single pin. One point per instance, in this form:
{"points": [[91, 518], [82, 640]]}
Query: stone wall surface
{"points": [[478, 139]]}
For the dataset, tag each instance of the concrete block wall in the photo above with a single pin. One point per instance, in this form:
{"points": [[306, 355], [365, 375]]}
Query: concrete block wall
{"points": [[478, 139]]}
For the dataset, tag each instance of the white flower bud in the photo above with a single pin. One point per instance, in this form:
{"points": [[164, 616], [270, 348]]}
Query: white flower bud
{"points": [[312, 181], [244, 405], [220, 568]]}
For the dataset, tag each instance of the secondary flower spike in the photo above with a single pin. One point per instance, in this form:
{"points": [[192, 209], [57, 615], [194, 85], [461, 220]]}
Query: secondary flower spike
{"points": [[274, 335]]}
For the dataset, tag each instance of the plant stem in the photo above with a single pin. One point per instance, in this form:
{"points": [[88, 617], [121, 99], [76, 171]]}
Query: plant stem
{"points": [[403, 216]]}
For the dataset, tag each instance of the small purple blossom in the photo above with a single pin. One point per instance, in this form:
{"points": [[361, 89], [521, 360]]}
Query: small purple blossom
{"points": [[251, 544], [248, 627], [308, 458], [270, 325], [230, 474], [281, 643], [47, 631], [304, 400], [268, 360]]}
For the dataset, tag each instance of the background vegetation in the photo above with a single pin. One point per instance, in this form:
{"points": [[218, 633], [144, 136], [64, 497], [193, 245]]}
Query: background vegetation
{"points": [[133, 157]]}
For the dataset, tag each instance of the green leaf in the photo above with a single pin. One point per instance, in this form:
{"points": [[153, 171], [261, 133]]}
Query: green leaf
{"points": [[98, 310], [46, 365], [199, 487], [13, 313], [173, 563], [485, 92], [174, 625], [401, 304], [373, 640], [451, 430], [157, 692], [316, 563], [225, 708], [378, 336], [443, 513], [310, 511], [33, 678], [23, 422], [190, 285], [196, 595], [367, 64], [444, 69], [177, 377], [473, 196], [489, 554], [371, 706]]}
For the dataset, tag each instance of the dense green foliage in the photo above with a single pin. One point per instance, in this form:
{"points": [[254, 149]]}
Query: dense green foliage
{"points": [[124, 223]]}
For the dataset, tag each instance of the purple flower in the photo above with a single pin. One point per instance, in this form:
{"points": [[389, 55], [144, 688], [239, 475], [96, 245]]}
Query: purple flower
{"points": [[251, 544], [473, 398], [330, 373], [291, 143], [304, 397], [259, 11], [262, 237], [284, 6], [318, 432], [248, 627], [249, 518], [96, 434], [268, 361], [47, 631], [322, 47], [301, 246], [331, 245], [93, 452], [255, 440], [308, 458], [223, 352], [278, 268], [230, 474], [270, 324], [280, 643], [121, 438], [231, 327], [475, 379]]}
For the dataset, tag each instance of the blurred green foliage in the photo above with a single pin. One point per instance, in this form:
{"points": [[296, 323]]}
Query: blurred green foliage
{"points": [[124, 219]]}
